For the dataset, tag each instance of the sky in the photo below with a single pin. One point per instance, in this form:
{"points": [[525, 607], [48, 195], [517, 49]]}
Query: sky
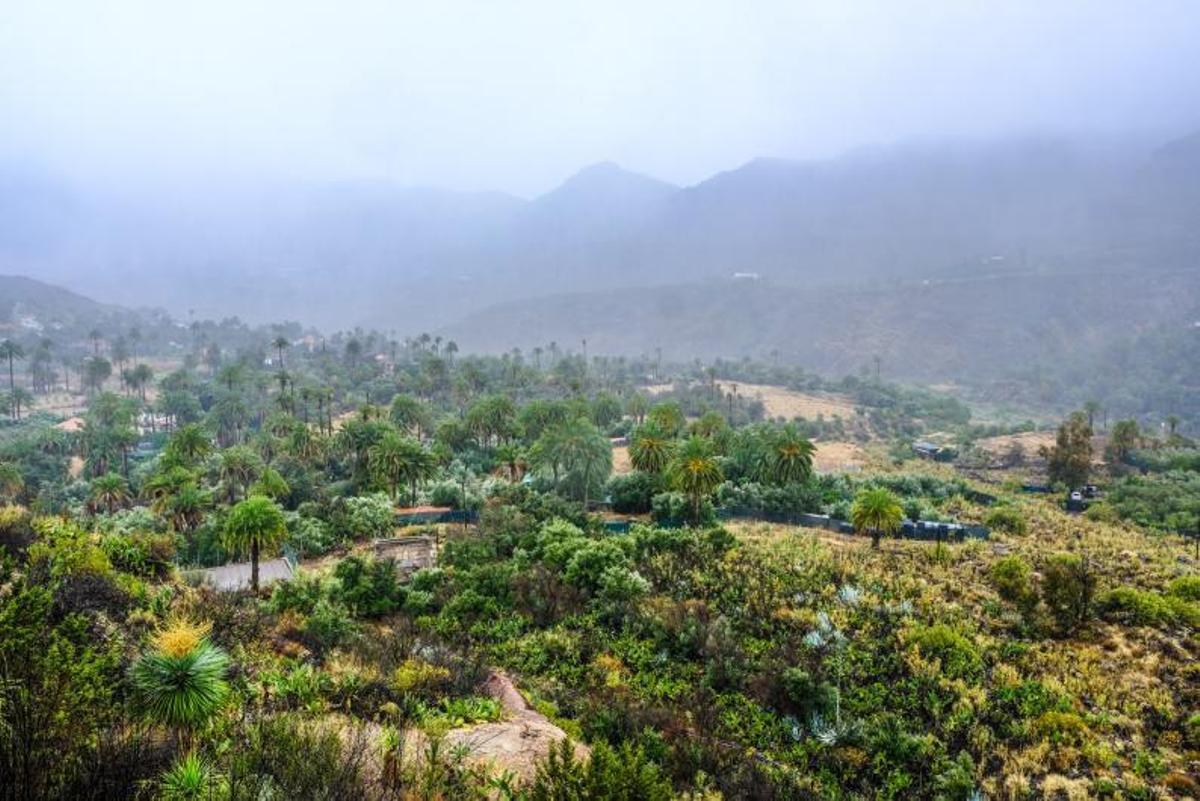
{"points": [[515, 95]]}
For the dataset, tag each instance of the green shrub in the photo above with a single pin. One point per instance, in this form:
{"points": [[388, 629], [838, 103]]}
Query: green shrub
{"points": [[956, 652], [610, 775], [368, 586], [1006, 519], [369, 516], [283, 757], [1061, 728], [309, 535], [1068, 585], [1142, 608], [329, 624], [633, 493], [1185, 587], [808, 694], [1102, 512], [300, 593], [674, 507], [1012, 578]]}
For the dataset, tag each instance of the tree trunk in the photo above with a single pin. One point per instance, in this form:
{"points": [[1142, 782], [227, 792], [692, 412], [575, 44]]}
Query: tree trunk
{"points": [[874, 538], [254, 565]]}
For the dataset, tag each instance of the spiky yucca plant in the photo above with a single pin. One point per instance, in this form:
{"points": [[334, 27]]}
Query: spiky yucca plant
{"points": [[180, 680]]}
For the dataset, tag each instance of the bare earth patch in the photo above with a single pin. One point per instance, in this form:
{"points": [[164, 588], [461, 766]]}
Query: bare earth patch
{"points": [[788, 403], [1030, 441], [838, 457], [620, 459]]}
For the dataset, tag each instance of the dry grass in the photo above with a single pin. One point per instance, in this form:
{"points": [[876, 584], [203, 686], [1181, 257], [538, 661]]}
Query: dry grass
{"points": [[837, 457], [789, 404], [620, 460], [1030, 441], [781, 402]]}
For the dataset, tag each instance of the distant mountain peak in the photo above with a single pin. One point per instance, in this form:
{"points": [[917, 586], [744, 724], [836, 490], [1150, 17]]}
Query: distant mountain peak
{"points": [[609, 178]]}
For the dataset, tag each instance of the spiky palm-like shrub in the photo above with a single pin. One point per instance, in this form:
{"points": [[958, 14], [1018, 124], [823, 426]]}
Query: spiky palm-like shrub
{"points": [[189, 779], [876, 511], [180, 680]]}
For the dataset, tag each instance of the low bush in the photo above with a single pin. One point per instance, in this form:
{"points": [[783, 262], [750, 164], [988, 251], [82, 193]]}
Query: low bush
{"points": [[1142, 608], [956, 652], [1068, 585], [1006, 519], [1013, 579], [633, 493]]}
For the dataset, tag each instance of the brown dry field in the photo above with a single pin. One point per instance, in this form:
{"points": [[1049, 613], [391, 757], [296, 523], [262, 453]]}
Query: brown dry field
{"points": [[836, 457], [1031, 441], [785, 403], [788, 403]]}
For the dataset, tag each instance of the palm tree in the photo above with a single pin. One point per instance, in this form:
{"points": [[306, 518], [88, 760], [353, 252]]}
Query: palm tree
{"points": [[695, 472], [254, 525], [789, 457], [11, 350], [409, 414], [109, 491], [395, 460], [140, 377], [650, 449], [190, 444], [240, 467], [513, 459], [180, 680], [876, 511], [281, 343], [229, 375]]}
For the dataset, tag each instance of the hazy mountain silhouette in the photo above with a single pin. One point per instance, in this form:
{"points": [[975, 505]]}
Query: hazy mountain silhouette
{"points": [[408, 259]]}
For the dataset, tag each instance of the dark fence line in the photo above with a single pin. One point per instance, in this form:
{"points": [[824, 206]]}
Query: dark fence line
{"points": [[426, 518], [925, 530]]}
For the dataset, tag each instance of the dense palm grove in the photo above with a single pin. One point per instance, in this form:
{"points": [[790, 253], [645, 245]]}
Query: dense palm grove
{"points": [[694, 658]]}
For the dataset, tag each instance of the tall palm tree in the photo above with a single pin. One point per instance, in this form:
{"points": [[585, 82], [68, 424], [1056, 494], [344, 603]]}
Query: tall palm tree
{"points": [[140, 377], [695, 472], [280, 344], [651, 449], [255, 525], [789, 457], [876, 511], [11, 350]]}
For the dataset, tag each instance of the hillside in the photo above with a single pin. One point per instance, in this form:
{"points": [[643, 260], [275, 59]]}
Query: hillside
{"points": [[1042, 339]]}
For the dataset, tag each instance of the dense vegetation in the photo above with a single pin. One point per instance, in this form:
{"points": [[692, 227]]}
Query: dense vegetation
{"points": [[692, 659]]}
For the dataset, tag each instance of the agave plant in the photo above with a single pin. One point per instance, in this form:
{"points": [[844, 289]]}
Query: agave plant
{"points": [[180, 680]]}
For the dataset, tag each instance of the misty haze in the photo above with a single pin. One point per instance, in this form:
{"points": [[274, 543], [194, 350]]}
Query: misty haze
{"points": [[614, 401]]}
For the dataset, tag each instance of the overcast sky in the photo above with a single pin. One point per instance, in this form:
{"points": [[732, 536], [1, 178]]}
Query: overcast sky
{"points": [[516, 95]]}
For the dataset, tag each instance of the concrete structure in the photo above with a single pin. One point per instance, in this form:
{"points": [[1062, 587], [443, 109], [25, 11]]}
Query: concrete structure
{"points": [[236, 576], [410, 553]]}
